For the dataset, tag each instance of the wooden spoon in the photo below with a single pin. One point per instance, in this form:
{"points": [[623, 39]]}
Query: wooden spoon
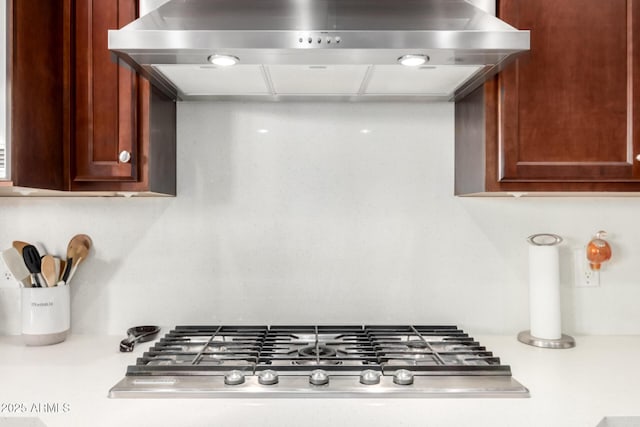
{"points": [[49, 270], [77, 250]]}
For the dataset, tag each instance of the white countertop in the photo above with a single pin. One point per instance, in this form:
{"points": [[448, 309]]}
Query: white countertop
{"points": [[66, 385]]}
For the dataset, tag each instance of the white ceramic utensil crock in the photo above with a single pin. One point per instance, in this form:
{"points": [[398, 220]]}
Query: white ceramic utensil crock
{"points": [[46, 315]]}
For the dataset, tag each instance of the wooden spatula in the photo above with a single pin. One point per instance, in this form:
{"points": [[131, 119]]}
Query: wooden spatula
{"points": [[19, 245], [49, 270], [63, 268]]}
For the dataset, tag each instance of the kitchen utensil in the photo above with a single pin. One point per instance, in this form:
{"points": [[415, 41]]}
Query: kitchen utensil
{"points": [[138, 334], [15, 264], [32, 261], [74, 268], [56, 266], [67, 270], [42, 250], [48, 268], [63, 267], [19, 245], [77, 250]]}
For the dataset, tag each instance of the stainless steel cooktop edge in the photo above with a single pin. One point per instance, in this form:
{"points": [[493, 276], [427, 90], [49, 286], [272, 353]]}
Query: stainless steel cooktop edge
{"points": [[338, 387]]}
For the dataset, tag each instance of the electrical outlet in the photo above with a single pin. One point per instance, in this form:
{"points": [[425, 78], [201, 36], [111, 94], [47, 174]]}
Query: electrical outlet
{"points": [[6, 278], [589, 278], [584, 276]]}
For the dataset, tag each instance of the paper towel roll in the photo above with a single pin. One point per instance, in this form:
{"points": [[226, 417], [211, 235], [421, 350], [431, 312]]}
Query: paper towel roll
{"points": [[544, 291]]}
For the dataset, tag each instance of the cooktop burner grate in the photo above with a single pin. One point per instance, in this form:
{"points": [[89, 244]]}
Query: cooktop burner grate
{"points": [[327, 361], [200, 350]]}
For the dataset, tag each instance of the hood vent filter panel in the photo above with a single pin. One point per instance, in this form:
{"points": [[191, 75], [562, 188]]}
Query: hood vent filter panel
{"points": [[317, 80]]}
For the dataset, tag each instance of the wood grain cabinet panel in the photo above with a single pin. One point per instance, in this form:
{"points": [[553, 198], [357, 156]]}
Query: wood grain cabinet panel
{"points": [[36, 67], [566, 115], [105, 95], [75, 110]]}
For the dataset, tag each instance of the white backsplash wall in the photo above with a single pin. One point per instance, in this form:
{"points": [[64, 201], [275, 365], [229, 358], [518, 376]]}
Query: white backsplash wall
{"points": [[323, 213]]}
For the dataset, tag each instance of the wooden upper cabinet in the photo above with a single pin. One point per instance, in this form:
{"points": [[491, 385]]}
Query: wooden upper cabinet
{"points": [[105, 95], [117, 113], [567, 108], [36, 68], [74, 110], [566, 115]]}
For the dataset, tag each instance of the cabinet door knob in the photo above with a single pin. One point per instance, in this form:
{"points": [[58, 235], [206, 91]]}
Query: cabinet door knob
{"points": [[124, 156], [638, 157]]}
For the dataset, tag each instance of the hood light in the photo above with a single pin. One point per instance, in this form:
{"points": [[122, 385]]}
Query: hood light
{"points": [[223, 60], [413, 60]]}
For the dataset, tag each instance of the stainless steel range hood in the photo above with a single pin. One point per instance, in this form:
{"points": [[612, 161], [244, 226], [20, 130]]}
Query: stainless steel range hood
{"points": [[318, 49]]}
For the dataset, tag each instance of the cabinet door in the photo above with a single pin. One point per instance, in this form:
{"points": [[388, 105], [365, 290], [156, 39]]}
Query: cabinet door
{"points": [[105, 96], [569, 111], [37, 64]]}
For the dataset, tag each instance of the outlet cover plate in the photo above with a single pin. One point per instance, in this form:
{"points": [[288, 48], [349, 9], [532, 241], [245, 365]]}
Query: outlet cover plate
{"points": [[584, 276]]}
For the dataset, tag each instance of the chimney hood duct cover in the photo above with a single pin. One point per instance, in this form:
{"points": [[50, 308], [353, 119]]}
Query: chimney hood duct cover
{"points": [[318, 49]]}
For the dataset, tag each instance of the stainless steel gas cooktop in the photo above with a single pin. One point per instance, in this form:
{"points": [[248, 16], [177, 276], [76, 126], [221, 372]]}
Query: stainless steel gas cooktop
{"points": [[318, 361]]}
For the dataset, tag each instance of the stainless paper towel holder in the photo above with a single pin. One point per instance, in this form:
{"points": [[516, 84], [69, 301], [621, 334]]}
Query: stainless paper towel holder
{"points": [[565, 341], [544, 239]]}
